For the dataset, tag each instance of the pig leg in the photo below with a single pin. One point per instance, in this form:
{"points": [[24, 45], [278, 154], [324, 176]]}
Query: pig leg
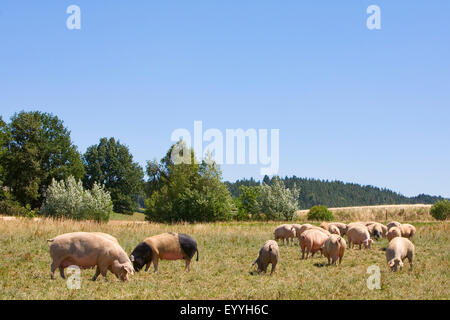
{"points": [[61, 272], [155, 263], [188, 265], [307, 253], [274, 265], [53, 267], [97, 273], [303, 253], [410, 259], [148, 265], [360, 246]]}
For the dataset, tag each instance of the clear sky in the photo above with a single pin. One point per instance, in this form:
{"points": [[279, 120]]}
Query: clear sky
{"points": [[353, 104]]}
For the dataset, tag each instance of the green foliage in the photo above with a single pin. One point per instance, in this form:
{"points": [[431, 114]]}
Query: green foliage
{"points": [[320, 213], [111, 164], [441, 210], [38, 149], [10, 207], [187, 191], [3, 141], [277, 201], [247, 203], [69, 199]]}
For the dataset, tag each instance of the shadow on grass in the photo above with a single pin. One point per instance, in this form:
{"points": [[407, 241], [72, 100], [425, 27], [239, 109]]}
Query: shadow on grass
{"points": [[320, 265]]}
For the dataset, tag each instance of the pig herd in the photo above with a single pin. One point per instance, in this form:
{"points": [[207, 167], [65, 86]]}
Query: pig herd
{"points": [[103, 252], [328, 238]]}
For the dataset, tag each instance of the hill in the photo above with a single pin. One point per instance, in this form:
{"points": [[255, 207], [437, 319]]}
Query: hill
{"points": [[337, 193]]}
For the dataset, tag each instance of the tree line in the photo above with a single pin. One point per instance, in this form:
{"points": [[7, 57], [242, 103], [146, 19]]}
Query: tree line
{"points": [[43, 172], [315, 192]]}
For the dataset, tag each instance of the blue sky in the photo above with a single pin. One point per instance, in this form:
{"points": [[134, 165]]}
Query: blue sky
{"points": [[357, 105]]}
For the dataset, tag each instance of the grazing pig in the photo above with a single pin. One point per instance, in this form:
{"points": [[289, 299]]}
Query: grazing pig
{"points": [[399, 249], [375, 230], [342, 227], [379, 227], [324, 225], [107, 236], [312, 241], [166, 246], [298, 228], [285, 231], [393, 224], [408, 230], [334, 248], [358, 223], [334, 230], [269, 253], [87, 250], [359, 235], [393, 232]]}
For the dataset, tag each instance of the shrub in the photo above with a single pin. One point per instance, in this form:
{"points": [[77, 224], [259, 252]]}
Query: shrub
{"points": [[277, 201], [441, 210], [320, 213], [10, 207], [69, 199]]}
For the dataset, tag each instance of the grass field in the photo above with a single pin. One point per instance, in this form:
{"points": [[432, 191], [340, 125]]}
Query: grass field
{"points": [[226, 253]]}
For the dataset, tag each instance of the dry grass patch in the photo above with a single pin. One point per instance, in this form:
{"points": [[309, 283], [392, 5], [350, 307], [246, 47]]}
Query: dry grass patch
{"points": [[226, 253], [401, 213]]}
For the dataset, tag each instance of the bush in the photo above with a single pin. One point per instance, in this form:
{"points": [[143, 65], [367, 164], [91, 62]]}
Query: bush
{"points": [[441, 210], [10, 207], [70, 200], [277, 201], [320, 213]]}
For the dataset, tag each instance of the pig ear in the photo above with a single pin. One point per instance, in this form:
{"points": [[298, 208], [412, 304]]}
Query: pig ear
{"points": [[127, 269]]}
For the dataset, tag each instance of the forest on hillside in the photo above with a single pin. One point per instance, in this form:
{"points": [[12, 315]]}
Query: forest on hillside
{"points": [[336, 193]]}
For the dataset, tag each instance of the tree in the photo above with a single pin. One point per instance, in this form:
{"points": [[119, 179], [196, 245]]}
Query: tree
{"points": [[188, 191], [110, 163], [247, 202], [277, 201], [154, 171], [3, 141], [69, 199], [441, 210], [38, 149]]}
